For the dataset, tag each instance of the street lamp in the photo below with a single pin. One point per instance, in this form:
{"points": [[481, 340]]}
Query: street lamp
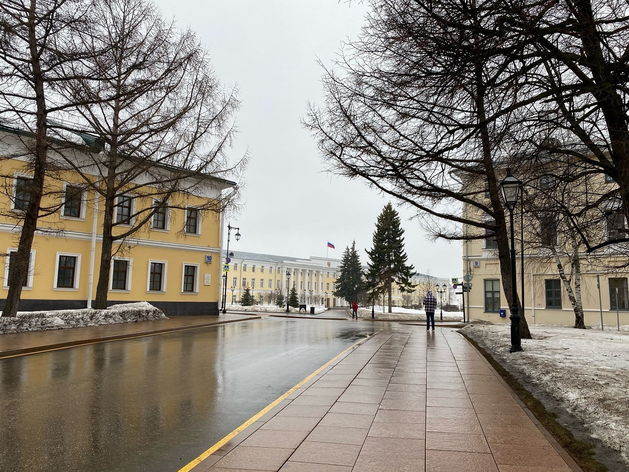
{"points": [[287, 284], [441, 290], [227, 261], [510, 189]]}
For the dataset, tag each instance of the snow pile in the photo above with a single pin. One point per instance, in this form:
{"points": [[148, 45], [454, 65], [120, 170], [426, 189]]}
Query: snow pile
{"points": [[61, 319], [271, 309], [586, 370]]}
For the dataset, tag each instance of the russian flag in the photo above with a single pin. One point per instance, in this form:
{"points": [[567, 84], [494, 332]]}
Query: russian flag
{"points": [[331, 245]]}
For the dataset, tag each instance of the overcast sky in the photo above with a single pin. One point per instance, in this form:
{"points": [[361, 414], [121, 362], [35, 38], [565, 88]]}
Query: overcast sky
{"points": [[291, 206]]}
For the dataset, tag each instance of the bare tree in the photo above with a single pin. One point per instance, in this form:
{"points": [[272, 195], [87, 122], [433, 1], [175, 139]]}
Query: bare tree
{"points": [[150, 99], [35, 41], [419, 108]]}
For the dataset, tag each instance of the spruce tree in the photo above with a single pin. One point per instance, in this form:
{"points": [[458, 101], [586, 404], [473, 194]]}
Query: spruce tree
{"points": [[279, 301], [247, 298], [350, 280], [387, 258], [293, 299]]}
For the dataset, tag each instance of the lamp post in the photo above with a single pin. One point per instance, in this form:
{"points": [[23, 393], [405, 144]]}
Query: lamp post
{"points": [[287, 287], [441, 290], [510, 189], [227, 261]]}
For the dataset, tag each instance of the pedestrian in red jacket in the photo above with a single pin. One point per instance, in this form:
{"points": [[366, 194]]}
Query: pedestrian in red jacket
{"points": [[354, 310]]}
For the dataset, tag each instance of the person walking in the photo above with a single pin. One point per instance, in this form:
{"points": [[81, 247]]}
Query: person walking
{"points": [[430, 304], [354, 310]]}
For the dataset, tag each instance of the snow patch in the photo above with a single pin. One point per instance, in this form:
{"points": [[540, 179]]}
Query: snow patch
{"points": [[586, 370], [61, 319]]}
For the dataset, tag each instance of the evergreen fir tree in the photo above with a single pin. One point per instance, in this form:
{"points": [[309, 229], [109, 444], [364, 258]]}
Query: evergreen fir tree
{"points": [[247, 298], [350, 280], [387, 258], [293, 299], [279, 301]]}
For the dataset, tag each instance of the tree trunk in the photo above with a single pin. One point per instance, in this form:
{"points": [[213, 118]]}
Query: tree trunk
{"points": [[102, 287], [504, 254], [29, 224]]}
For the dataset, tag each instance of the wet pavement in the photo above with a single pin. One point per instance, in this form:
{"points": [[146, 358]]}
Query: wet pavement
{"points": [[404, 400], [153, 402]]}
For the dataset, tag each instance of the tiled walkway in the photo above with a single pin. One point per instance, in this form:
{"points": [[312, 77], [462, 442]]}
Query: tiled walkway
{"points": [[404, 400]]}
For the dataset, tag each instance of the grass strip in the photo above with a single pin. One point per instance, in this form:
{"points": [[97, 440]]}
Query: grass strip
{"points": [[582, 452]]}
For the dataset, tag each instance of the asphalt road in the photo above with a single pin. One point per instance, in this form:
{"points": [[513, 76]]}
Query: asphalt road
{"points": [[155, 403]]}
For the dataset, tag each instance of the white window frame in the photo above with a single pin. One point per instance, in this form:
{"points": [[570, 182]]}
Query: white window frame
{"points": [[127, 289], [185, 220], [148, 276], [77, 272], [196, 278], [15, 177], [166, 223], [131, 211], [81, 216], [31, 269]]}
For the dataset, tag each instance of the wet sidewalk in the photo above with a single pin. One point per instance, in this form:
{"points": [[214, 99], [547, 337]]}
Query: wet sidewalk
{"points": [[404, 400], [38, 341]]}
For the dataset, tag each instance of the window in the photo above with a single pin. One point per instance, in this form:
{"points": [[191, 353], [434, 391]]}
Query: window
{"points": [[615, 221], [553, 293], [548, 229], [23, 191], [618, 286], [67, 271], [244, 267], [492, 295], [262, 269], [73, 202], [253, 283], [234, 281], [235, 266], [193, 223], [189, 282], [490, 240], [270, 283], [327, 286], [124, 210], [253, 268], [271, 270], [157, 276], [278, 284], [120, 274], [160, 216], [261, 283], [244, 282], [8, 269]]}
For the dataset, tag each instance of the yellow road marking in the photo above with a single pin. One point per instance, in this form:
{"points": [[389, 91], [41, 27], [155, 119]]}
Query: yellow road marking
{"points": [[260, 414]]}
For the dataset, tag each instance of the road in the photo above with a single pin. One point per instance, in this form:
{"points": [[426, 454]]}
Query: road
{"points": [[155, 403]]}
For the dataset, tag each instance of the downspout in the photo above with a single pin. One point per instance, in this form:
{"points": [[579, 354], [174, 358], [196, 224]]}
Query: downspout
{"points": [[90, 284]]}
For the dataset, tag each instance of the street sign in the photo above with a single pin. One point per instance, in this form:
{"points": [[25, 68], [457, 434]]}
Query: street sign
{"points": [[455, 281], [208, 259], [467, 277], [228, 260], [454, 285], [225, 267]]}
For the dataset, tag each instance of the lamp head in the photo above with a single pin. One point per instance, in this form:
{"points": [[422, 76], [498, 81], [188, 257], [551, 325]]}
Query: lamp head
{"points": [[510, 189], [238, 235]]}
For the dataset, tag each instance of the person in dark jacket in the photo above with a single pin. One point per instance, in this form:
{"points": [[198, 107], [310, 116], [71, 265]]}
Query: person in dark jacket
{"points": [[430, 304], [354, 310]]}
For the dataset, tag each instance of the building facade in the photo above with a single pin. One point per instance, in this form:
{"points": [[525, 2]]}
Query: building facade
{"points": [[601, 280], [314, 279], [173, 261]]}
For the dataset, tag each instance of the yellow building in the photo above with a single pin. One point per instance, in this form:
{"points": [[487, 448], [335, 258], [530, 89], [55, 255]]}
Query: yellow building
{"points": [[267, 275], [173, 262], [314, 279], [603, 281]]}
